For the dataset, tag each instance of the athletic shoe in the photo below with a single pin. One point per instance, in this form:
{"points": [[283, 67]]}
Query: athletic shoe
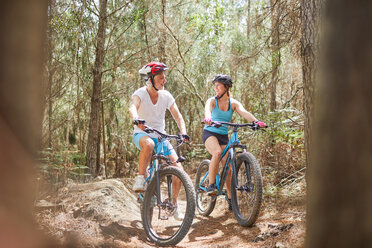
{"points": [[212, 190], [139, 184], [177, 215]]}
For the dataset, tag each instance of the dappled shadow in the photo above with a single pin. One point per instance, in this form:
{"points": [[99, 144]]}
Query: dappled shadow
{"points": [[208, 226], [124, 233]]}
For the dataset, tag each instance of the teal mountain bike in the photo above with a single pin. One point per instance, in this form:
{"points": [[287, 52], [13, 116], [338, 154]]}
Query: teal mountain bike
{"points": [[157, 202], [246, 183]]}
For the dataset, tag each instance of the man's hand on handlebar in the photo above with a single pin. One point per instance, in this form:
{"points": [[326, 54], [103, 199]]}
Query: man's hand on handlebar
{"points": [[186, 137], [140, 123]]}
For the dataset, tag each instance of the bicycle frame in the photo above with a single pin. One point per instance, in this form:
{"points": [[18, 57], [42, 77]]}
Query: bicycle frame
{"points": [[230, 160], [160, 150]]}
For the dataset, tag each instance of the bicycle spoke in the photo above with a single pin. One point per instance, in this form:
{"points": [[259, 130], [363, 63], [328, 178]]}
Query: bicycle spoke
{"points": [[204, 203], [162, 222], [248, 191]]}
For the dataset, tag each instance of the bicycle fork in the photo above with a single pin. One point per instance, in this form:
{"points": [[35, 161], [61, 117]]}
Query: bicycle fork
{"points": [[167, 204], [157, 180]]}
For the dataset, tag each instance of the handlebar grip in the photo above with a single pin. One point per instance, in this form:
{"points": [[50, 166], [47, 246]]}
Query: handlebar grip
{"points": [[138, 121]]}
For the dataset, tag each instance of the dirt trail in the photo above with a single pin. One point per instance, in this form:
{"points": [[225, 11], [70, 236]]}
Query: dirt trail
{"points": [[106, 214]]}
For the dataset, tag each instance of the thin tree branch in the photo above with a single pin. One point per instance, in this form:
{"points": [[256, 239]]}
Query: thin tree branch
{"points": [[127, 59], [120, 8], [290, 99], [195, 92], [174, 37]]}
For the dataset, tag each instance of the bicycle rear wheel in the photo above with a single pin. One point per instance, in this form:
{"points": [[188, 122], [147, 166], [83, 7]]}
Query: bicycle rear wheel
{"points": [[204, 203], [246, 190], [158, 219]]}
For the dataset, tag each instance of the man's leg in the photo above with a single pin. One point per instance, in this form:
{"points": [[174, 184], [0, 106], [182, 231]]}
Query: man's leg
{"points": [[176, 182], [146, 145], [178, 215]]}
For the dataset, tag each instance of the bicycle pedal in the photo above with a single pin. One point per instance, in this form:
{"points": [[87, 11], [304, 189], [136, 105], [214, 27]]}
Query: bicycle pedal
{"points": [[212, 194], [164, 217]]}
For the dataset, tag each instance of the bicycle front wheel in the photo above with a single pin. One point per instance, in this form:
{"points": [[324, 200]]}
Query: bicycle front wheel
{"points": [[161, 220], [204, 203], [246, 190]]}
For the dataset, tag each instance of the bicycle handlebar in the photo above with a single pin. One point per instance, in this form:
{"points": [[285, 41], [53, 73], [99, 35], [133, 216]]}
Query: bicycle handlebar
{"points": [[252, 125], [180, 138]]}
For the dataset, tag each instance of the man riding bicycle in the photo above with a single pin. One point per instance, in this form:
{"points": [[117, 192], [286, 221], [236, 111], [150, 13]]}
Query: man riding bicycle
{"points": [[148, 105], [221, 108]]}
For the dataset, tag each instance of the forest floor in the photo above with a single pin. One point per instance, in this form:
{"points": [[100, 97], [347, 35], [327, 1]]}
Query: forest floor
{"points": [[106, 214]]}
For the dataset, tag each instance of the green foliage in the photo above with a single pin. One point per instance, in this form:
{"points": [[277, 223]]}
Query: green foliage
{"points": [[287, 126], [289, 135], [57, 167]]}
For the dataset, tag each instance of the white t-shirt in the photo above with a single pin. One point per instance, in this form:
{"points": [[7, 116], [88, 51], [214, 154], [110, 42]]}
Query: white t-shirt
{"points": [[153, 114]]}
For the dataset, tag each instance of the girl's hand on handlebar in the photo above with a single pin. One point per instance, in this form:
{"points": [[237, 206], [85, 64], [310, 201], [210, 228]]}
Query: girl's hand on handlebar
{"points": [[261, 124], [207, 121]]}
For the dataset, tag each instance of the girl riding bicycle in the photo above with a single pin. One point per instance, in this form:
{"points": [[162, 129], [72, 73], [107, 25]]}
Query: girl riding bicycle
{"points": [[221, 108]]}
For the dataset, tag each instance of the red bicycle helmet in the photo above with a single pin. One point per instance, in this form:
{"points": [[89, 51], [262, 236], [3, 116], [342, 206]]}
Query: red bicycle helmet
{"points": [[152, 69]]}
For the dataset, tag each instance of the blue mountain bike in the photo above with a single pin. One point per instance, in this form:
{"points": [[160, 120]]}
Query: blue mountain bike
{"points": [[158, 202], [246, 183]]}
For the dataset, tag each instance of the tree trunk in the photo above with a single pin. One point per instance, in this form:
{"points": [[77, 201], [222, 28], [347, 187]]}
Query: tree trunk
{"points": [[74, 79], [309, 43], [144, 26], [104, 141], [50, 70], [275, 51], [340, 185], [163, 35], [248, 18], [50, 106], [93, 151]]}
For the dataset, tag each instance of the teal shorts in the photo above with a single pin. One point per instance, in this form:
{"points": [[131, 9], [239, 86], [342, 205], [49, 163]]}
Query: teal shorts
{"points": [[167, 146]]}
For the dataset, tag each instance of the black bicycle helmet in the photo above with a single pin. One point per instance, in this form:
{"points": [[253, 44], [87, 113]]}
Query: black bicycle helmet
{"points": [[224, 79]]}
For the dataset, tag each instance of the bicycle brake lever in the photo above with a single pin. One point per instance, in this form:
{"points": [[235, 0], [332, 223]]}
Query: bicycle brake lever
{"points": [[181, 159], [148, 130]]}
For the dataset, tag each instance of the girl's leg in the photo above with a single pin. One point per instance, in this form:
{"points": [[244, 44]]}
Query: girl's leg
{"points": [[214, 148], [228, 183], [228, 177]]}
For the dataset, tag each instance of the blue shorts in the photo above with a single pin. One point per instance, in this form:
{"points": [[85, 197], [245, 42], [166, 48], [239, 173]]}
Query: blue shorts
{"points": [[167, 146]]}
